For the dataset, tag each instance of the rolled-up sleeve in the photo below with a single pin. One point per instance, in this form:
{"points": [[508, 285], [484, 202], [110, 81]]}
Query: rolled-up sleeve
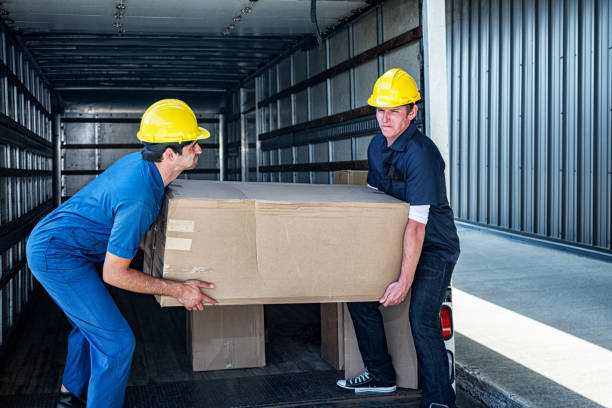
{"points": [[422, 182]]}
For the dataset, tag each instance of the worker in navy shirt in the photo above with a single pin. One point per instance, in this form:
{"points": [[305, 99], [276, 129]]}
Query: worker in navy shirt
{"points": [[104, 223], [406, 164]]}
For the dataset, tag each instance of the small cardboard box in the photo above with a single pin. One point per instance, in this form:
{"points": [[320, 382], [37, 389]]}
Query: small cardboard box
{"points": [[278, 243], [224, 337], [399, 343], [332, 334], [354, 177]]}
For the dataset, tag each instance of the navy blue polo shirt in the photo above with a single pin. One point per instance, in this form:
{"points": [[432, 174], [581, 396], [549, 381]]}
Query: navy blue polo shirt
{"points": [[412, 170]]}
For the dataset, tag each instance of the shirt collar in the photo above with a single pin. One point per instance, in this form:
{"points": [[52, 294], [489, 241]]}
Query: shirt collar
{"points": [[158, 182], [401, 144]]}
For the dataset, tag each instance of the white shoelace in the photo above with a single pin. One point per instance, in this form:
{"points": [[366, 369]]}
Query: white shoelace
{"points": [[360, 378]]}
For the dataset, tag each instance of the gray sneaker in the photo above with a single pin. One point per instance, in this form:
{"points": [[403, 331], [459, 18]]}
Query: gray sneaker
{"points": [[365, 382]]}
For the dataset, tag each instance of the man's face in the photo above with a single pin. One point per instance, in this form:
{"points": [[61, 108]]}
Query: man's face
{"points": [[394, 121], [189, 158]]}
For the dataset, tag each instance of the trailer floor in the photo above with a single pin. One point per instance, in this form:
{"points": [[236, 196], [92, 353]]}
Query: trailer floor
{"points": [[161, 375]]}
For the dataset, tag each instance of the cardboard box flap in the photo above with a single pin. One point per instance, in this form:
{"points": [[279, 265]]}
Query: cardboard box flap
{"points": [[278, 192], [202, 190]]}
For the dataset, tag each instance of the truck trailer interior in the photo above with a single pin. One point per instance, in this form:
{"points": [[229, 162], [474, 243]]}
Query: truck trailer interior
{"points": [[282, 86]]}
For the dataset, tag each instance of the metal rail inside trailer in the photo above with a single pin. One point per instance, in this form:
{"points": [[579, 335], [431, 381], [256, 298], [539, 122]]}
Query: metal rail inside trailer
{"points": [[281, 85]]}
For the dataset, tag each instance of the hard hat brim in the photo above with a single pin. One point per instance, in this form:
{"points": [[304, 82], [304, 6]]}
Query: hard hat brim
{"points": [[201, 135], [204, 134], [379, 102]]}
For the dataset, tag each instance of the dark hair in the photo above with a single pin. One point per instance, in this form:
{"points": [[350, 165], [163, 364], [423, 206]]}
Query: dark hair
{"points": [[155, 151]]}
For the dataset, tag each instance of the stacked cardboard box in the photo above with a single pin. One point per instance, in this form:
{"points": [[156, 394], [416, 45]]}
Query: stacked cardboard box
{"points": [[338, 341], [269, 243], [353, 177], [226, 337]]}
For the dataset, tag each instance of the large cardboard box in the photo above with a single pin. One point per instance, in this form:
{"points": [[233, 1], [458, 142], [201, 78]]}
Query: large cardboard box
{"points": [[224, 337], [278, 243], [338, 341]]}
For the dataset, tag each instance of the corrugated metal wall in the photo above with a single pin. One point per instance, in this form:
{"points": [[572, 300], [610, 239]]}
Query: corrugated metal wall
{"points": [[530, 116], [312, 106], [26, 156], [97, 132], [241, 135]]}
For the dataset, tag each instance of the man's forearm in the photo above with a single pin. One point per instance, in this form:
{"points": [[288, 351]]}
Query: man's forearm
{"points": [[136, 281], [412, 246]]}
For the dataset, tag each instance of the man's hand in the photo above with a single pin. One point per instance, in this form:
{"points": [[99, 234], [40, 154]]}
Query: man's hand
{"points": [[192, 297], [117, 272], [395, 294], [413, 243]]}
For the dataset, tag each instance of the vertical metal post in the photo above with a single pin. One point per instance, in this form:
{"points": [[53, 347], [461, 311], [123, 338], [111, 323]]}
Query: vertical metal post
{"points": [[379, 39], [330, 158], [351, 54], [97, 142], [14, 89], [271, 91], [278, 102], [21, 96], [309, 116], [29, 106], [434, 59], [310, 160], [328, 83], [279, 160], [57, 159], [244, 140], [294, 176], [4, 97], [221, 147], [293, 95], [258, 93], [309, 89]]}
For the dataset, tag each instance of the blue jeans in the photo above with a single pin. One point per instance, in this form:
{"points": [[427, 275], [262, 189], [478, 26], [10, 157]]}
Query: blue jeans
{"points": [[431, 279]]}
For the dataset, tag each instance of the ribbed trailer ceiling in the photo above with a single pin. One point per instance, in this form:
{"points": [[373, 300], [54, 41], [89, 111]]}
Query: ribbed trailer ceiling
{"points": [[132, 44]]}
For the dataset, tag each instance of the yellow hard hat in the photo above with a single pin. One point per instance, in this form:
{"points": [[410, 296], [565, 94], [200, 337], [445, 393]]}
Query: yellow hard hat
{"points": [[170, 121], [394, 88]]}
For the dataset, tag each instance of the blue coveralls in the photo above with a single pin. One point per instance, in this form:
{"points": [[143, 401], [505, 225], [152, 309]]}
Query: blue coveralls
{"points": [[112, 213], [412, 170]]}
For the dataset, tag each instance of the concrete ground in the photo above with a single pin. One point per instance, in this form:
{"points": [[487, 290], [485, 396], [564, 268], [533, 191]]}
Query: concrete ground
{"points": [[533, 323]]}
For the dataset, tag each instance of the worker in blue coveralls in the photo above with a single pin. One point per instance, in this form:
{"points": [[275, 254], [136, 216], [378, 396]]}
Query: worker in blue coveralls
{"points": [[406, 164], [105, 222]]}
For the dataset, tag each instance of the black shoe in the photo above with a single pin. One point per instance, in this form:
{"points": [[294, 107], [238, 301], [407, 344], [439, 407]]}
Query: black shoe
{"points": [[69, 400], [365, 382]]}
